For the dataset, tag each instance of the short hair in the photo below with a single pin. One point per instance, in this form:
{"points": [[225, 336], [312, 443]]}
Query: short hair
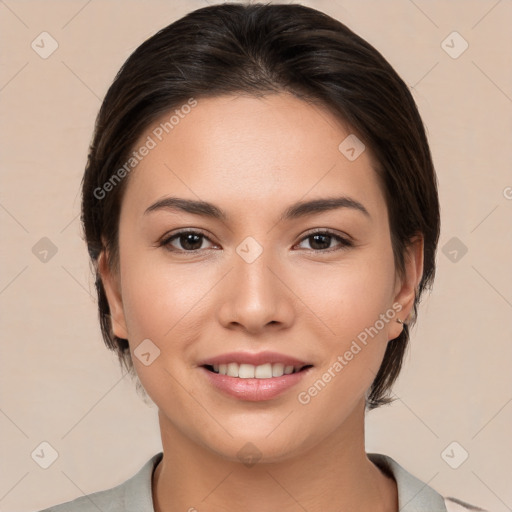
{"points": [[259, 49]]}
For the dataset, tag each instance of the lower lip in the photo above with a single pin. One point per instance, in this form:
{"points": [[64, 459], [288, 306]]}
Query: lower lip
{"points": [[254, 390]]}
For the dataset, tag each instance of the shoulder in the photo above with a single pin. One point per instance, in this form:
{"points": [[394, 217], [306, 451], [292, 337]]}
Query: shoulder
{"points": [[456, 505], [415, 495], [106, 501], [132, 495]]}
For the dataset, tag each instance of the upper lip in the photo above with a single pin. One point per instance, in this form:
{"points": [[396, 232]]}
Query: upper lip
{"points": [[254, 358]]}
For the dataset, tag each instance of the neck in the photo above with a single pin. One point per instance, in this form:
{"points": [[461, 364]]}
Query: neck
{"points": [[335, 475]]}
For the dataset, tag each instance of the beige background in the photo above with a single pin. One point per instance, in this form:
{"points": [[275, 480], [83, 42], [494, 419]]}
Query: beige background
{"points": [[59, 384]]}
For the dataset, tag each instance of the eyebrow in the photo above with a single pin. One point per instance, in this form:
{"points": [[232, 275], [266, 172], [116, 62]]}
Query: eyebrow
{"points": [[296, 210]]}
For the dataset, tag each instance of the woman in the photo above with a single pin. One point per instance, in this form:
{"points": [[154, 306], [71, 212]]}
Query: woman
{"points": [[260, 206]]}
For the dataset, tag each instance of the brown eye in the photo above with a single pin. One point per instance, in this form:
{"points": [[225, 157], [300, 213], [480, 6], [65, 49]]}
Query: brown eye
{"points": [[320, 241], [187, 241]]}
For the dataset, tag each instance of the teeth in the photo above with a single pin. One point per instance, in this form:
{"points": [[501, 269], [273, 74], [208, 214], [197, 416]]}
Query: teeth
{"points": [[232, 370], [246, 371], [264, 371], [249, 371], [277, 369]]}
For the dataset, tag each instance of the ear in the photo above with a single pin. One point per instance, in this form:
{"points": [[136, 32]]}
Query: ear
{"points": [[113, 292], [406, 285]]}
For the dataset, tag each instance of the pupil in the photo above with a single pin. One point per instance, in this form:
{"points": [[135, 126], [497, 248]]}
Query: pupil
{"points": [[325, 245], [188, 241]]}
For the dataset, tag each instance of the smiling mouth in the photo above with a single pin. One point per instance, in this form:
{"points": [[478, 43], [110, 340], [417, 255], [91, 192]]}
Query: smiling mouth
{"points": [[249, 371]]}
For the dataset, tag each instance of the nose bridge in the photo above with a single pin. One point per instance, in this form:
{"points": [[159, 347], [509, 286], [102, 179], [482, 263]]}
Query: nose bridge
{"points": [[254, 297], [252, 262]]}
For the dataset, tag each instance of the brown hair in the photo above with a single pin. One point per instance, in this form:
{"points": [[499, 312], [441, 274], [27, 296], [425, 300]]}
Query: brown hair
{"points": [[261, 49]]}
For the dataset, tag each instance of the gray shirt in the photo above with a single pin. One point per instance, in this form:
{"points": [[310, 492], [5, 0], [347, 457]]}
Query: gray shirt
{"points": [[135, 494]]}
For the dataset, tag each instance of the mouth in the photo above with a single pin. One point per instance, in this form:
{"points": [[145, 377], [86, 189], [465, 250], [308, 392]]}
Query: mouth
{"points": [[254, 376], [250, 371]]}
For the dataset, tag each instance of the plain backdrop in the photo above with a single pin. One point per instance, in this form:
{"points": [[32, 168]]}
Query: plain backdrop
{"points": [[60, 385]]}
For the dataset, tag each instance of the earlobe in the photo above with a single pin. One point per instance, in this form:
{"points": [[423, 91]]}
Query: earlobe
{"points": [[113, 292]]}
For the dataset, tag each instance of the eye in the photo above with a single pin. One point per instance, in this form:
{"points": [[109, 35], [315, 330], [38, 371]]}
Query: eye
{"points": [[321, 241], [192, 241], [189, 240]]}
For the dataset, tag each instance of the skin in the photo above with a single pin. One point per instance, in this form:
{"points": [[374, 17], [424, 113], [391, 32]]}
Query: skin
{"points": [[253, 157]]}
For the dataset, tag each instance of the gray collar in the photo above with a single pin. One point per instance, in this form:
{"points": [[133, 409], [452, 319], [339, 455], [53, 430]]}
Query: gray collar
{"points": [[413, 494]]}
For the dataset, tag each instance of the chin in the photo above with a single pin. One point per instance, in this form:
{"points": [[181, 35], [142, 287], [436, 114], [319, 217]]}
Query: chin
{"points": [[255, 451], [256, 445]]}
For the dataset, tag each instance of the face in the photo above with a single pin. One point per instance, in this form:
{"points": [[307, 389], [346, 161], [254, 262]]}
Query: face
{"points": [[256, 283]]}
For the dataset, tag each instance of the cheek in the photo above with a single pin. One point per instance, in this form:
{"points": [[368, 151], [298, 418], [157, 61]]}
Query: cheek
{"points": [[158, 299], [170, 306], [356, 304], [352, 297], [163, 307]]}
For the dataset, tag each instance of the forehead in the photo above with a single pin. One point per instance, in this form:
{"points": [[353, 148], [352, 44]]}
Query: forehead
{"points": [[243, 150]]}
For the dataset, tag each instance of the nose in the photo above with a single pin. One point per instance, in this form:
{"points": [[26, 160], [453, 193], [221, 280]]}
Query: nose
{"points": [[255, 296]]}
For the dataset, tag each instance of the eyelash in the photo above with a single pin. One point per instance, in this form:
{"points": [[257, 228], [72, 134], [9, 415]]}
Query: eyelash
{"points": [[344, 242]]}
